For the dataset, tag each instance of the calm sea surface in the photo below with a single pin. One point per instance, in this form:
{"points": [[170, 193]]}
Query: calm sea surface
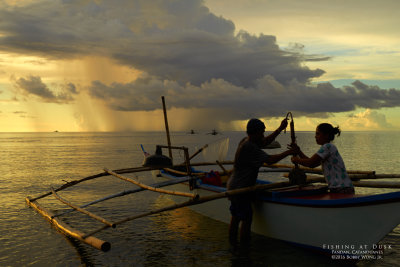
{"points": [[31, 163]]}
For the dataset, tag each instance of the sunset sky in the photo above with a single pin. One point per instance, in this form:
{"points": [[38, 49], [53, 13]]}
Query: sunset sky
{"points": [[80, 65]]}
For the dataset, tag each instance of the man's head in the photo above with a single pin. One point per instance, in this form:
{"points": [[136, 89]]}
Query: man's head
{"points": [[255, 126]]}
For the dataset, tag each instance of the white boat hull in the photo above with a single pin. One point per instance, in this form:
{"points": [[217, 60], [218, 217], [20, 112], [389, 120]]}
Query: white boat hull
{"points": [[354, 227]]}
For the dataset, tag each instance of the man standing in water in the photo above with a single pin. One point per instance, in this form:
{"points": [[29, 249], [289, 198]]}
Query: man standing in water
{"points": [[249, 158]]}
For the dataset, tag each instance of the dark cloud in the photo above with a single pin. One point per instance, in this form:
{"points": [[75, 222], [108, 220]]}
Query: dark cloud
{"points": [[267, 98], [23, 114], [33, 86], [186, 53], [71, 88], [173, 40]]}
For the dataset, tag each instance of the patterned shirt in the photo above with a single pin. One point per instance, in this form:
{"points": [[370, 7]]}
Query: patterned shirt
{"points": [[333, 167]]}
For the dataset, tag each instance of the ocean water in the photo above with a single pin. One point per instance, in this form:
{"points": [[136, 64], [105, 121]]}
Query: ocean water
{"points": [[32, 163]]}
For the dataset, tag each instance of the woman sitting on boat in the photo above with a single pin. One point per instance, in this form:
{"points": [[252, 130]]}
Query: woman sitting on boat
{"points": [[328, 156]]}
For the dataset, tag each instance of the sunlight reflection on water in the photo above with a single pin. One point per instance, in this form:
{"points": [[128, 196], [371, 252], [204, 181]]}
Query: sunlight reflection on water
{"points": [[32, 162]]}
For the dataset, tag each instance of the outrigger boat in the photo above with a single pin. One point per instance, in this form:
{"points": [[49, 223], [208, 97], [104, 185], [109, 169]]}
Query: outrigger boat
{"points": [[301, 213], [308, 215]]}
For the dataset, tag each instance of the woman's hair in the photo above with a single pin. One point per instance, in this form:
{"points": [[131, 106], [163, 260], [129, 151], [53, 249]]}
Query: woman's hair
{"points": [[328, 129]]}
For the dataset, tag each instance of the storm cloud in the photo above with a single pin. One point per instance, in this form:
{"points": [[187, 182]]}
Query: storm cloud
{"points": [[267, 97], [173, 40], [34, 86], [185, 52]]}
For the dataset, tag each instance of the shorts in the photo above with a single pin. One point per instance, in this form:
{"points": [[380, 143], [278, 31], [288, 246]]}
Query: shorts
{"points": [[242, 209]]}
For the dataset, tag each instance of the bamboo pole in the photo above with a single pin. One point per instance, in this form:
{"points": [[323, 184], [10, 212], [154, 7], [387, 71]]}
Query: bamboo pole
{"points": [[228, 162], [374, 176], [377, 184], [309, 170], [356, 177], [187, 161], [75, 182], [372, 184], [184, 173], [166, 127], [201, 200], [176, 193], [275, 170], [314, 170], [198, 152], [68, 230], [90, 214], [221, 166], [127, 192], [69, 184]]}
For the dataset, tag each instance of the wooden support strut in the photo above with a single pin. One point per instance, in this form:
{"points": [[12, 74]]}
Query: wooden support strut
{"points": [[127, 192], [90, 214], [197, 201], [203, 199], [176, 193], [74, 182], [68, 230]]}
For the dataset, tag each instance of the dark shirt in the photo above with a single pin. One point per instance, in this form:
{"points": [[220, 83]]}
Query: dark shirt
{"points": [[248, 160]]}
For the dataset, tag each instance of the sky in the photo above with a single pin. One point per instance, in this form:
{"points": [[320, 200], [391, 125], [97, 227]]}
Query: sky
{"points": [[102, 65]]}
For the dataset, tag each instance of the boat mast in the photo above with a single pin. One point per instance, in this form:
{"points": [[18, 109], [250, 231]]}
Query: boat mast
{"points": [[166, 127]]}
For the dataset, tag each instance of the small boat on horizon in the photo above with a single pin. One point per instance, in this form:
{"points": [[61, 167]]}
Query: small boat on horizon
{"points": [[214, 132]]}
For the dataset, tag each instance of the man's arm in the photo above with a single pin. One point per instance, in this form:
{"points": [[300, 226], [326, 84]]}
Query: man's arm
{"points": [[268, 139], [277, 157]]}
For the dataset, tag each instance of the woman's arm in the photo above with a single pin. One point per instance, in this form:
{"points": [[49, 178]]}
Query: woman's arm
{"points": [[277, 157], [302, 155], [299, 152], [312, 162]]}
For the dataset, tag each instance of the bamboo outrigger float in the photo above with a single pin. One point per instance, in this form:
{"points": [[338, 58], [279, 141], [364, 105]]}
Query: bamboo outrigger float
{"points": [[195, 199], [104, 245], [189, 180]]}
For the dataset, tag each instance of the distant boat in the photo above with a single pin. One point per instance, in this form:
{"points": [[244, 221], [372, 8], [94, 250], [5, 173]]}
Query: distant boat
{"points": [[214, 132], [192, 132], [56, 131]]}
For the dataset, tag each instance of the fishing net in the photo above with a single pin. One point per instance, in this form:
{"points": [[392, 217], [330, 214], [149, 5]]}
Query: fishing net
{"points": [[217, 150]]}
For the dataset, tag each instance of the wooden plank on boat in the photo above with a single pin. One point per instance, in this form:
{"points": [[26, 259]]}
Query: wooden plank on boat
{"points": [[68, 230], [176, 193], [90, 214]]}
